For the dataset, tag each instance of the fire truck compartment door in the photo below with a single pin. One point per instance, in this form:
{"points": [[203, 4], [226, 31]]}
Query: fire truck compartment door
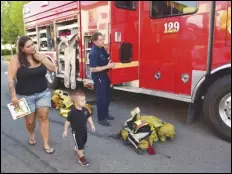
{"points": [[124, 41], [126, 70]]}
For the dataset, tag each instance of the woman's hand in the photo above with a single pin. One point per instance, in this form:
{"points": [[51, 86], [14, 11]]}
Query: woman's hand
{"points": [[46, 61], [15, 101], [39, 56]]}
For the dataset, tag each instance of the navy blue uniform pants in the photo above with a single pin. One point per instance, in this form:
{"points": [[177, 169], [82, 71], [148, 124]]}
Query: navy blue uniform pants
{"points": [[103, 96]]}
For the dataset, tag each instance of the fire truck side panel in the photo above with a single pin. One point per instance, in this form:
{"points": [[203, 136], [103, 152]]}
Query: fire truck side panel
{"points": [[46, 15], [154, 53], [94, 17], [222, 50], [39, 7], [182, 54], [166, 56], [124, 40], [155, 50]]}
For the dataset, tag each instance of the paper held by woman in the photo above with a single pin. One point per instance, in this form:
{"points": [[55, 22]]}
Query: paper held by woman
{"points": [[21, 110]]}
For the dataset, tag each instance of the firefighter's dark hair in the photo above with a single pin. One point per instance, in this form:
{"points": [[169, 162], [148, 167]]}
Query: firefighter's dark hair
{"points": [[95, 36]]}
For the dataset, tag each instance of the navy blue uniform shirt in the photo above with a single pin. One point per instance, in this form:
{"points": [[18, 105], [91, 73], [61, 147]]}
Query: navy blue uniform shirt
{"points": [[98, 57]]}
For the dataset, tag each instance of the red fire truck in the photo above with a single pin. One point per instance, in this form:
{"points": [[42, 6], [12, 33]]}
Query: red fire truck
{"points": [[179, 50]]}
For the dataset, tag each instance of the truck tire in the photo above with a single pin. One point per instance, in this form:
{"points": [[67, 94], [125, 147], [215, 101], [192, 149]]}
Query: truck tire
{"points": [[52, 80], [217, 107]]}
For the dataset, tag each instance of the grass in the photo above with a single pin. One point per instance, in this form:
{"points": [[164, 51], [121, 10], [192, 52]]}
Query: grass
{"points": [[7, 57]]}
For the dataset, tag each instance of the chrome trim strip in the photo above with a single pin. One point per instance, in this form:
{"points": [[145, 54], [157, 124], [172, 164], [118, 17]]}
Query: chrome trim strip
{"points": [[180, 97]]}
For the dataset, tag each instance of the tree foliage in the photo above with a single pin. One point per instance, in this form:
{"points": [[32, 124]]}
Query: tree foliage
{"points": [[11, 21]]}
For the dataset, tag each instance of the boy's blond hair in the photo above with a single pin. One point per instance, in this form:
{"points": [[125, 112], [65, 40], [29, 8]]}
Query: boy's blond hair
{"points": [[79, 93]]}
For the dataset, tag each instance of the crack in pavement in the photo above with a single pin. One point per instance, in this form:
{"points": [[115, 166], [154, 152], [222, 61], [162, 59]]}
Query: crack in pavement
{"points": [[46, 164]]}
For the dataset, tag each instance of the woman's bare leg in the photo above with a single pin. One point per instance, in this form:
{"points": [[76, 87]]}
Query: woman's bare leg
{"points": [[30, 125], [42, 115]]}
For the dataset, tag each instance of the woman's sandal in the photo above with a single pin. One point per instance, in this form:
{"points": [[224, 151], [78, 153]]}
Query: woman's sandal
{"points": [[33, 141], [49, 151]]}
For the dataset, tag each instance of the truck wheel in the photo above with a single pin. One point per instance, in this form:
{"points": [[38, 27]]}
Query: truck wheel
{"points": [[217, 107], [52, 80]]}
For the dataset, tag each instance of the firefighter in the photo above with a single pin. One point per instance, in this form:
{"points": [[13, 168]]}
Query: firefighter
{"points": [[99, 66]]}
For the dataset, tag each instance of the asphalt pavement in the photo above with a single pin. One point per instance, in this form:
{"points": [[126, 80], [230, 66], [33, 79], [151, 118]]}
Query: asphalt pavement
{"points": [[195, 149]]}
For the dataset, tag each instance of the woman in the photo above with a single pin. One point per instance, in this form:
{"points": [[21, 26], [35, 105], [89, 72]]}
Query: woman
{"points": [[29, 69]]}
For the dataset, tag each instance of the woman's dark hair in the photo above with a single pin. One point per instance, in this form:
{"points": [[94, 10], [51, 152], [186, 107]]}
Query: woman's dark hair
{"points": [[21, 55]]}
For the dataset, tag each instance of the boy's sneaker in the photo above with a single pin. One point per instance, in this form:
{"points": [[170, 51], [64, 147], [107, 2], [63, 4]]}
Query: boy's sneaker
{"points": [[83, 162]]}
